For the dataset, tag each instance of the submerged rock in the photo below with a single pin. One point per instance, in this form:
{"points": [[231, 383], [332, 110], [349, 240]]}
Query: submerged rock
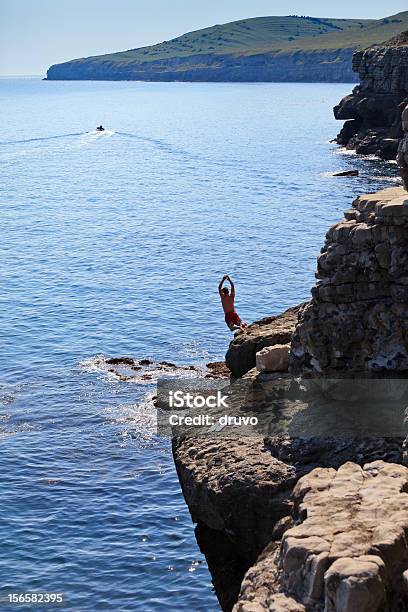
{"points": [[346, 173], [146, 371]]}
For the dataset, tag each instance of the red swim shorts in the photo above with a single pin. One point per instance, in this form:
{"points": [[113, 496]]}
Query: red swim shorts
{"points": [[232, 318]]}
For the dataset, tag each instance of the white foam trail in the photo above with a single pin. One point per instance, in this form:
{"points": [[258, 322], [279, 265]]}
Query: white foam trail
{"points": [[94, 136], [99, 134], [388, 179], [97, 364]]}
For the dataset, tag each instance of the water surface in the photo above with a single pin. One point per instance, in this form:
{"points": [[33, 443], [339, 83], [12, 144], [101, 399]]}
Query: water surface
{"points": [[112, 245]]}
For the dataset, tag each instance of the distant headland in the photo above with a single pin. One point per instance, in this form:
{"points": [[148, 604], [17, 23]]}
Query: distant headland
{"points": [[272, 49]]}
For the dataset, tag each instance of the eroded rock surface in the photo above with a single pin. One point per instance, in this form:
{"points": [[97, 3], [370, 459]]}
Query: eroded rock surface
{"points": [[402, 155], [239, 493], [348, 552], [236, 491], [357, 320], [241, 355], [373, 110], [235, 486]]}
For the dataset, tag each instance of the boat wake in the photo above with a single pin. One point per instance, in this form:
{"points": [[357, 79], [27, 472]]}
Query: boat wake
{"points": [[96, 134], [40, 138]]}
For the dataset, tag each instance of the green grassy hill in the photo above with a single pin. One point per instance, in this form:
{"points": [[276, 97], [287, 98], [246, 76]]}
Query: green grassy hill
{"points": [[246, 36], [217, 50]]}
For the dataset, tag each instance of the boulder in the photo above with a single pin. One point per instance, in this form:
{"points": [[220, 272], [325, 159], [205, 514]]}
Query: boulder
{"points": [[348, 551], [273, 358], [241, 355], [239, 493]]}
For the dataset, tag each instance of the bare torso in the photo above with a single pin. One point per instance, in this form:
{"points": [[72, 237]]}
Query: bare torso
{"points": [[227, 302]]}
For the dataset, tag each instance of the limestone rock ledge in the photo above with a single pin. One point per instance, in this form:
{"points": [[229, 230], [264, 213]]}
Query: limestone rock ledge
{"points": [[236, 491], [347, 552], [339, 542], [239, 493], [373, 110], [241, 355], [357, 319]]}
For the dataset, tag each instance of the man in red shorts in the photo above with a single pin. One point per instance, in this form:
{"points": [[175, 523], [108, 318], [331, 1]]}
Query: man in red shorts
{"points": [[232, 318]]}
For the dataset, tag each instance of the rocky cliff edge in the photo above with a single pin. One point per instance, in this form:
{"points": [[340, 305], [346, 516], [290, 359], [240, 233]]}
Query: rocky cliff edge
{"points": [[313, 524], [373, 110]]}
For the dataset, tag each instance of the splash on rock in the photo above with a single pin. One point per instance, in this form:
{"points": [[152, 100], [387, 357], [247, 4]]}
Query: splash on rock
{"points": [[147, 371]]}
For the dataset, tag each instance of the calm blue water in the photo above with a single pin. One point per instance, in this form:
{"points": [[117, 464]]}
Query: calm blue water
{"points": [[114, 245]]}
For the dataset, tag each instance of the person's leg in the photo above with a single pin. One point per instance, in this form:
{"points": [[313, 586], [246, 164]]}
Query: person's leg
{"points": [[238, 326], [235, 327], [239, 323], [235, 323]]}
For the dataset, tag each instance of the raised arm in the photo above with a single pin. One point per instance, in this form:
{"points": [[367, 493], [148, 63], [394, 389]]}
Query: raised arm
{"points": [[232, 286], [221, 283]]}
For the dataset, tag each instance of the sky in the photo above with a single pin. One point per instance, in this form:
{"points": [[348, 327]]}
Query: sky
{"points": [[37, 33]]}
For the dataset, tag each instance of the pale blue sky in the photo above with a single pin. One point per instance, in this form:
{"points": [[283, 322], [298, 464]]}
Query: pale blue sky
{"points": [[37, 33]]}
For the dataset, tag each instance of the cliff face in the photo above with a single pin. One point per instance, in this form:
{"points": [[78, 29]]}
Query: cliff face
{"points": [[296, 524], [373, 110], [241, 493], [315, 66], [236, 491], [357, 319], [347, 552]]}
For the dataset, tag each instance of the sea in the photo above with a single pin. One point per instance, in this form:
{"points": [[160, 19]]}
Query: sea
{"points": [[113, 244]]}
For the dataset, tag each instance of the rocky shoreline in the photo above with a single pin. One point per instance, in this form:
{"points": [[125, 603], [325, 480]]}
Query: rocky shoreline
{"points": [[373, 110], [325, 66], [290, 522], [319, 523], [357, 319]]}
